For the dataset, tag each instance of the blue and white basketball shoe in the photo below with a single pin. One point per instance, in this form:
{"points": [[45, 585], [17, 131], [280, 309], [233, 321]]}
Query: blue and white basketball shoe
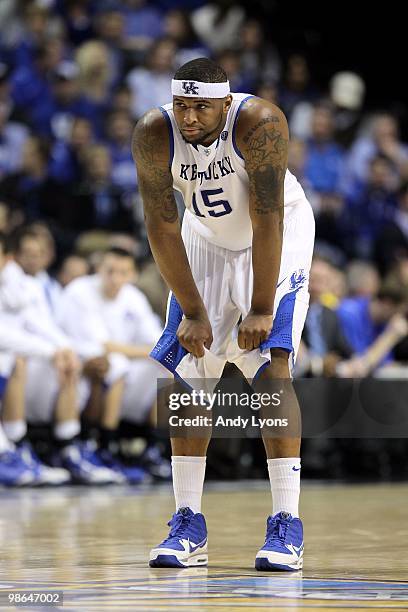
{"points": [[14, 472], [186, 544], [43, 474], [283, 548]]}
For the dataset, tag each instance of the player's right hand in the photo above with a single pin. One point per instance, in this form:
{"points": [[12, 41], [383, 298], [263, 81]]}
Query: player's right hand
{"points": [[195, 333]]}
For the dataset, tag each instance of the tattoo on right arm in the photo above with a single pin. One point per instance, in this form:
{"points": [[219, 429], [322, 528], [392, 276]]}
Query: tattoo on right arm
{"points": [[155, 179]]}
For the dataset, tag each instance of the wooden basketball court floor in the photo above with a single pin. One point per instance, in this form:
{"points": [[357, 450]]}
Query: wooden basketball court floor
{"points": [[92, 544]]}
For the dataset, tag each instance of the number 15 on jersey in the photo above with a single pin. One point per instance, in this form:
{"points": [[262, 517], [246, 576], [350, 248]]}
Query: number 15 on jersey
{"points": [[217, 207]]}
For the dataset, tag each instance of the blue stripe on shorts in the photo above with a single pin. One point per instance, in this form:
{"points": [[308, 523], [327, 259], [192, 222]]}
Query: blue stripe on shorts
{"points": [[168, 350], [281, 332]]}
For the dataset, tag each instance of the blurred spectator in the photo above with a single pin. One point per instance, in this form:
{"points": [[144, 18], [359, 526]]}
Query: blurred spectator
{"points": [[330, 230], [398, 275], [297, 160], [397, 278], [323, 335], [364, 319], [54, 120], [329, 280], [324, 158], [11, 216], [109, 28], [66, 163], [337, 289], [369, 208], [218, 23], [95, 73], [98, 202], [296, 88], [4, 218], [12, 134], [125, 242], [259, 59], [383, 138], [72, 267], [119, 127], [178, 27], [230, 60], [268, 91], [78, 19], [108, 21], [154, 287], [296, 165], [347, 91], [30, 83], [37, 26], [31, 187], [5, 72], [8, 109], [143, 23], [122, 99], [34, 251], [151, 85], [392, 239], [363, 279], [10, 24]]}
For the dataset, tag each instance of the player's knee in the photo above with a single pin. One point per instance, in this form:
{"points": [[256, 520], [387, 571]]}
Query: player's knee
{"points": [[279, 366]]}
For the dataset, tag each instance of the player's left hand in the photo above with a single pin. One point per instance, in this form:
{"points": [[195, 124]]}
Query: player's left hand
{"points": [[254, 329]]}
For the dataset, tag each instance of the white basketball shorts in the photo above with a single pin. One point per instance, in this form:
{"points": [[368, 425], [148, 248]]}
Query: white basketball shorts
{"points": [[224, 279]]}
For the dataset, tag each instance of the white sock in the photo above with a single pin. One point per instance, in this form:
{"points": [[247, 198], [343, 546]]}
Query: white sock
{"points": [[15, 430], [65, 430], [5, 445], [284, 476], [188, 481]]}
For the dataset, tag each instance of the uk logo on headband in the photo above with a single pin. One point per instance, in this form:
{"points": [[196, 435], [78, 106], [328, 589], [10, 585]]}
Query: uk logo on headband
{"points": [[192, 88], [189, 87]]}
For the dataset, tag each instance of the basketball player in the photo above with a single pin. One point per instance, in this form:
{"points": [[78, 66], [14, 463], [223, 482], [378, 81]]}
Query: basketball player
{"points": [[244, 251], [104, 315]]}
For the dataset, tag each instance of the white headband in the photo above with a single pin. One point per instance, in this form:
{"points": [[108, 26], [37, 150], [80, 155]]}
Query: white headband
{"points": [[197, 89]]}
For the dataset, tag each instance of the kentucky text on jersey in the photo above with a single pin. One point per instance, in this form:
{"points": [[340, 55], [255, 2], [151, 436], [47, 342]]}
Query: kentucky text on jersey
{"points": [[215, 170], [214, 183]]}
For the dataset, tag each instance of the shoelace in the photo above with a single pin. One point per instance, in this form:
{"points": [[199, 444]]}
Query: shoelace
{"points": [[276, 532], [178, 523]]}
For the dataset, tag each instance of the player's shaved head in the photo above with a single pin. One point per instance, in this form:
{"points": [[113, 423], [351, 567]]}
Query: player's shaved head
{"points": [[201, 69]]}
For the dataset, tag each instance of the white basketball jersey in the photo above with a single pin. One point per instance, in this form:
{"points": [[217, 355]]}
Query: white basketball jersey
{"points": [[214, 183]]}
